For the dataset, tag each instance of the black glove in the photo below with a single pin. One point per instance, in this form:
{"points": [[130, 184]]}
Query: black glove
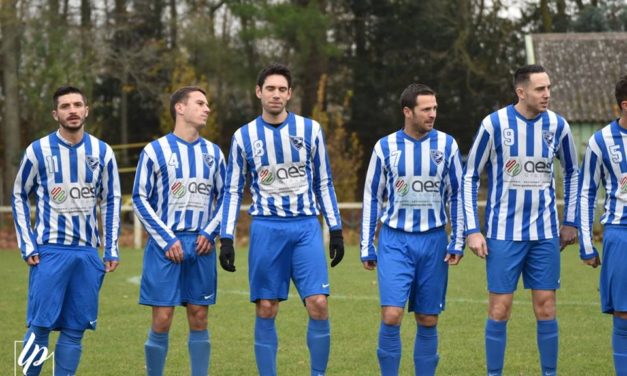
{"points": [[227, 255], [336, 247]]}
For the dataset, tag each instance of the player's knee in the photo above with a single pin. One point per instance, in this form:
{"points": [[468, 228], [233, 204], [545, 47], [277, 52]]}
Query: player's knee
{"points": [[499, 312], [426, 320], [267, 309], [70, 336], [161, 320], [621, 315], [197, 317], [317, 307], [392, 315], [545, 309]]}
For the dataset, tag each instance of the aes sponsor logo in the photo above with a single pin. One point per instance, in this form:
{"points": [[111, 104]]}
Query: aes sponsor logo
{"points": [[417, 185], [179, 189], [267, 175], [514, 167], [59, 195]]}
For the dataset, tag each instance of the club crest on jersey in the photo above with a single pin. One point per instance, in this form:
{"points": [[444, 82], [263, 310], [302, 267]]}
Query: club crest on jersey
{"points": [[92, 162], [178, 189], [437, 156], [297, 142], [548, 136], [623, 185], [58, 195], [208, 159]]}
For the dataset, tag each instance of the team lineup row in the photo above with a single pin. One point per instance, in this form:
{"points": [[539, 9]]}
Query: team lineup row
{"points": [[187, 194]]}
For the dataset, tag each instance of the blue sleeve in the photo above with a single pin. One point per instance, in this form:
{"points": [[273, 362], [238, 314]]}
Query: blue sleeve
{"points": [[110, 206], [25, 182], [453, 182], [142, 190], [477, 158], [323, 184], [589, 179], [374, 190], [233, 188]]}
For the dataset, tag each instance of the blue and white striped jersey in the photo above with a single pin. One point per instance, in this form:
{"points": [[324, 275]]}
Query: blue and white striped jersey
{"points": [[178, 187], [518, 155], [289, 171], [409, 185], [67, 181], [605, 163]]}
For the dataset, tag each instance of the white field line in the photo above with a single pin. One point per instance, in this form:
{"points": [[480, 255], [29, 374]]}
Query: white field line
{"points": [[135, 280]]}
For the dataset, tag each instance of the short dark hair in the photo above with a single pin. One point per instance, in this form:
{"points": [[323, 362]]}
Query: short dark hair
{"points": [[181, 96], [411, 93], [271, 69], [621, 91], [65, 90], [521, 76]]}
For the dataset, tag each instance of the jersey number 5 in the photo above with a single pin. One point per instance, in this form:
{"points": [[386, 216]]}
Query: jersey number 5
{"points": [[615, 153]]}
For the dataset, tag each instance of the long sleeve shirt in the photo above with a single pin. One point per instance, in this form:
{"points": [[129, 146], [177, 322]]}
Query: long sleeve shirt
{"points": [[289, 173], [518, 154], [68, 183], [409, 186]]}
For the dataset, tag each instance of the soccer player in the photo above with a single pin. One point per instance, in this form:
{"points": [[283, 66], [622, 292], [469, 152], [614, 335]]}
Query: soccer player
{"points": [[285, 157], [605, 163], [69, 173], [177, 196], [413, 176], [517, 145]]}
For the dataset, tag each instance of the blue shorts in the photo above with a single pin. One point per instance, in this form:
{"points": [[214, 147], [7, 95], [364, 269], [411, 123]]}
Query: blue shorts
{"points": [[614, 270], [63, 288], [411, 266], [167, 284], [537, 260], [283, 249]]}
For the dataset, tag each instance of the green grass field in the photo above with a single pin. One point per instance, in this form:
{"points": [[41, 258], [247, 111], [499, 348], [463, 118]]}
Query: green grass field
{"points": [[116, 348]]}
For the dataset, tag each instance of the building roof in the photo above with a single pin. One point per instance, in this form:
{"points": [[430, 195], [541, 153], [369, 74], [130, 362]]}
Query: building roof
{"points": [[584, 69]]}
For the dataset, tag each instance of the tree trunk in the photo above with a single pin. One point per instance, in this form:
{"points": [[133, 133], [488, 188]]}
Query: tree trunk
{"points": [[547, 21], [173, 24], [11, 118]]}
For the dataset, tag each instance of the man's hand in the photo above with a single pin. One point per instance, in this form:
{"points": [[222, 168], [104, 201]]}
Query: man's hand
{"points": [[336, 247], [568, 235], [110, 266], [369, 264], [476, 243], [32, 260], [594, 262], [453, 258], [175, 253], [227, 255], [203, 245]]}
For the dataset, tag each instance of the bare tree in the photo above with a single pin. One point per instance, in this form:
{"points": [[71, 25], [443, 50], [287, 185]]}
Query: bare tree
{"points": [[11, 118]]}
